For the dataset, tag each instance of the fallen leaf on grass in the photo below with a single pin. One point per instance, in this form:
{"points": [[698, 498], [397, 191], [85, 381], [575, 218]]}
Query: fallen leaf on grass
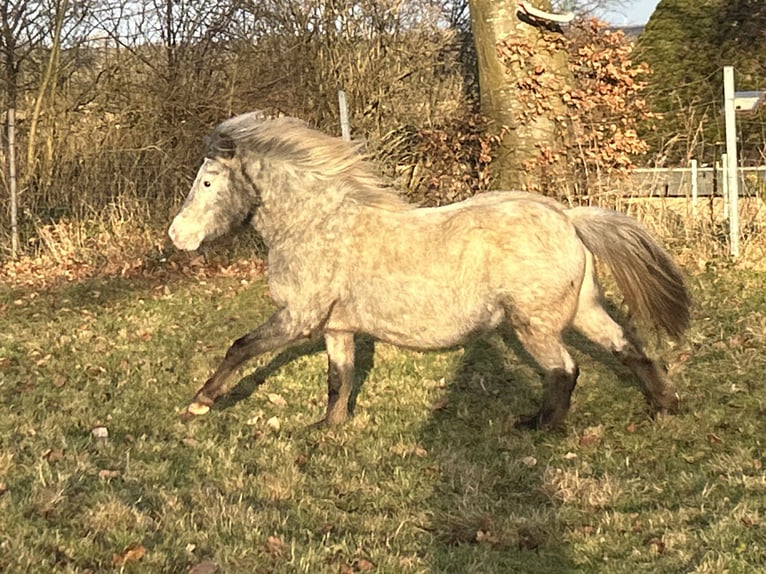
{"points": [[276, 399], [656, 544], [419, 451], [130, 554], [274, 424], [108, 474], [53, 455], [440, 404], [363, 565], [588, 439], [592, 435], [59, 381], [714, 439], [3, 488], [486, 536], [529, 461], [275, 546]]}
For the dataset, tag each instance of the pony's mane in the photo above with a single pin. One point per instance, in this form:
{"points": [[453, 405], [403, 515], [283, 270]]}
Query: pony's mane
{"points": [[293, 142]]}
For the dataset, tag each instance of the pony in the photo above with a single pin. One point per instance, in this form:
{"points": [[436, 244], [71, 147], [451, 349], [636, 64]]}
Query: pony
{"points": [[347, 255]]}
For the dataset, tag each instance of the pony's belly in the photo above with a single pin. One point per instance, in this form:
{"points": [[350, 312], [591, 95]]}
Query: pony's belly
{"points": [[421, 328]]}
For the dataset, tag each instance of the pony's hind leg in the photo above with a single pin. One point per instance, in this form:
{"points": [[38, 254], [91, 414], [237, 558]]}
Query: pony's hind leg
{"points": [[340, 374], [596, 324], [560, 377]]}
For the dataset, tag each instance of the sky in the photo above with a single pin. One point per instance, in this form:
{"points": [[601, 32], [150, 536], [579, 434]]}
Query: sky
{"points": [[632, 12]]}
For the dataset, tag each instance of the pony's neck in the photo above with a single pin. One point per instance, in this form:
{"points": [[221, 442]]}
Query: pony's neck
{"points": [[290, 199]]}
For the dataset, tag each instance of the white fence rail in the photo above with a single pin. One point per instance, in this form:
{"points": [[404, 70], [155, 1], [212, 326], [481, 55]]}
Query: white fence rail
{"points": [[710, 185], [677, 181]]}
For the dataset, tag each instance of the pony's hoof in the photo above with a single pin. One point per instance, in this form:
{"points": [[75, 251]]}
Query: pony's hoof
{"points": [[334, 420], [197, 408], [664, 405], [539, 421], [331, 419], [529, 422], [320, 424], [323, 423], [671, 405]]}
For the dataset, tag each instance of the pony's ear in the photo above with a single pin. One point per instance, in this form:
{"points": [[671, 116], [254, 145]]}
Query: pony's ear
{"points": [[219, 145]]}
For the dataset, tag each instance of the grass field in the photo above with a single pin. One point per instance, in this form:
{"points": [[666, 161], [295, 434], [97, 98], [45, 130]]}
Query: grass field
{"points": [[429, 476]]}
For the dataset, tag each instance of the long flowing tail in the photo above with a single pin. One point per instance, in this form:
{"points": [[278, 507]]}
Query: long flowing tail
{"points": [[651, 282]]}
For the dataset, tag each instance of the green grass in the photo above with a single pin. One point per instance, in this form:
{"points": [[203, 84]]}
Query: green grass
{"points": [[429, 476]]}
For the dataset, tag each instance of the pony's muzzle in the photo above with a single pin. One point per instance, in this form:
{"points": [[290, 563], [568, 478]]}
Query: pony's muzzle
{"points": [[184, 241]]}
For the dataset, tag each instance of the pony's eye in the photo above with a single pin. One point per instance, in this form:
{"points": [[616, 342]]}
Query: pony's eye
{"points": [[207, 183]]}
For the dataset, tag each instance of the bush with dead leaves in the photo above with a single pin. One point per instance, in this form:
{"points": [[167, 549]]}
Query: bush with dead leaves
{"points": [[597, 137]]}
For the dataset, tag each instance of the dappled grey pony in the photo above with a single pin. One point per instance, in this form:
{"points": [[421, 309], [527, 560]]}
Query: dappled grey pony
{"points": [[347, 255]]}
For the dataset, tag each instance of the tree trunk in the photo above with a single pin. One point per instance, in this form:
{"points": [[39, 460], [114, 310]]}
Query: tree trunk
{"points": [[522, 76], [47, 80]]}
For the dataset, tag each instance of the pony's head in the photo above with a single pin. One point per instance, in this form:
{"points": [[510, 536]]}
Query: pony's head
{"points": [[219, 198]]}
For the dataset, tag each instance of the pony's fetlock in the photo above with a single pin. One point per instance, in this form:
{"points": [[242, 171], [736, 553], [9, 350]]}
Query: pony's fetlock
{"points": [[667, 403], [557, 397], [660, 393]]}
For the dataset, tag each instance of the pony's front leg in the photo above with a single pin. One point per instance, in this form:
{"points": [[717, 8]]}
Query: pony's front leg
{"points": [[278, 331], [340, 374]]}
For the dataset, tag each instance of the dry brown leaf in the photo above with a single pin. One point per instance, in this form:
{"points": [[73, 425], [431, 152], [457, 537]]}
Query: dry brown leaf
{"points": [[656, 544], [440, 404], [275, 546], [419, 451], [364, 565], [587, 439], [53, 455], [276, 399], [130, 554], [108, 474]]}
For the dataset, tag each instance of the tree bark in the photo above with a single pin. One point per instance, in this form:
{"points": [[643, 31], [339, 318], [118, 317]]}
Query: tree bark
{"points": [[520, 95], [46, 81]]}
